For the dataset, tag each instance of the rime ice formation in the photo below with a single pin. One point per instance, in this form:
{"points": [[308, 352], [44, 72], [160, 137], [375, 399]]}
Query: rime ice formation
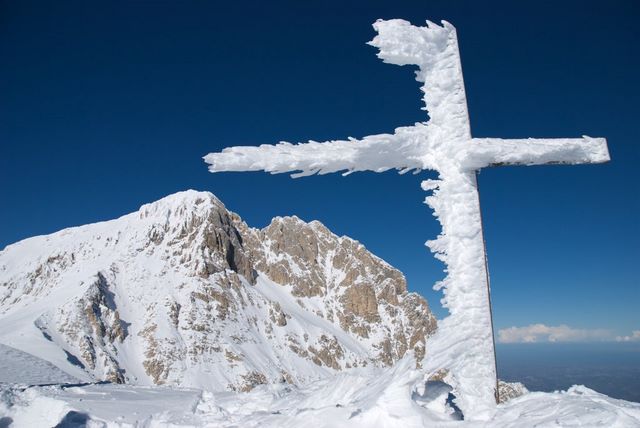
{"points": [[184, 293], [463, 344]]}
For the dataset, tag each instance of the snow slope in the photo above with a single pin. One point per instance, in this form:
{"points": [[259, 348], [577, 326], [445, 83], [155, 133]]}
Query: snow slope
{"points": [[19, 367], [366, 397]]}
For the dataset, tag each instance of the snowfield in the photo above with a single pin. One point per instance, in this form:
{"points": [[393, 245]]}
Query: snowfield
{"points": [[19, 367], [367, 397]]}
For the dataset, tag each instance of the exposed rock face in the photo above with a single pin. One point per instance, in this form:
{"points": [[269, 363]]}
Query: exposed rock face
{"points": [[363, 294], [510, 390], [184, 292]]}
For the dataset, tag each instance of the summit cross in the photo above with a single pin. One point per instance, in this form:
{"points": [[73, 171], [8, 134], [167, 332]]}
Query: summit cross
{"points": [[463, 345]]}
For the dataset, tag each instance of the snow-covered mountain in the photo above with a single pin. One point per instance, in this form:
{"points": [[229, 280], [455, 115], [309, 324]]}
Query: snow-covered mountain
{"points": [[183, 292]]}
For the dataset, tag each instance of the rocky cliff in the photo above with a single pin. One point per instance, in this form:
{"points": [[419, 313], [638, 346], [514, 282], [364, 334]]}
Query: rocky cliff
{"points": [[183, 292]]}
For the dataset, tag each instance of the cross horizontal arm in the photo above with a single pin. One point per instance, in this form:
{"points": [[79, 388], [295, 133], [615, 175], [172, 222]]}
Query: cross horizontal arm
{"points": [[373, 153], [485, 152]]}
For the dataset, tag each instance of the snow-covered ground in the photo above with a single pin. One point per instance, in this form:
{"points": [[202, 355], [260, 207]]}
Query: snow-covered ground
{"points": [[368, 397], [19, 367]]}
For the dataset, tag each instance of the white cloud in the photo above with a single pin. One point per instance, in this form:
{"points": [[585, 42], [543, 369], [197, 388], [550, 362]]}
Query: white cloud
{"points": [[562, 333], [634, 337]]}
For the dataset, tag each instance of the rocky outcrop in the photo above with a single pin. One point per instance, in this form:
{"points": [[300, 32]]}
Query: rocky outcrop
{"points": [[184, 292], [363, 294], [92, 326], [510, 390]]}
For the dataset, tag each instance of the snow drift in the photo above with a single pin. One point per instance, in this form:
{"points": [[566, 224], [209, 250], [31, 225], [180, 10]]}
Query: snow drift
{"points": [[365, 397]]}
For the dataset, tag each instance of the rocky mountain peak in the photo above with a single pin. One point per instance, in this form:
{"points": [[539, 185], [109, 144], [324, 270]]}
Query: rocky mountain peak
{"points": [[184, 292]]}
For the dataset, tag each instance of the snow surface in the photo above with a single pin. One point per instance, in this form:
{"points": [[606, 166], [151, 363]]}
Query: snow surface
{"points": [[463, 343], [368, 397], [19, 367]]}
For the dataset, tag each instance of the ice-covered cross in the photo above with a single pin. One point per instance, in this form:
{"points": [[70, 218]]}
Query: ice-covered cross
{"points": [[463, 344]]}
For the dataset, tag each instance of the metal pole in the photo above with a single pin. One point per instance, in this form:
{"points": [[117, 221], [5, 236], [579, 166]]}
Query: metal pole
{"points": [[486, 270]]}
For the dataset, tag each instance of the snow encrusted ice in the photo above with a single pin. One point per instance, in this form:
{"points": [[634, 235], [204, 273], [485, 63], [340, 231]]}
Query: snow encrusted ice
{"points": [[463, 344]]}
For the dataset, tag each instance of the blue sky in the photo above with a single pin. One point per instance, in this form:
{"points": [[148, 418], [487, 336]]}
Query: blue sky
{"points": [[109, 105]]}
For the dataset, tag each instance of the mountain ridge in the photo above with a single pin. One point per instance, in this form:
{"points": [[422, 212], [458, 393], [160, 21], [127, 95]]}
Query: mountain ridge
{"points": [[184, 292]]}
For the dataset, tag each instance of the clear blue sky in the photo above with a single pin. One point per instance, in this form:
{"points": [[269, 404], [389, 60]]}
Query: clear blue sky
{"points": [[105, 106]]}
